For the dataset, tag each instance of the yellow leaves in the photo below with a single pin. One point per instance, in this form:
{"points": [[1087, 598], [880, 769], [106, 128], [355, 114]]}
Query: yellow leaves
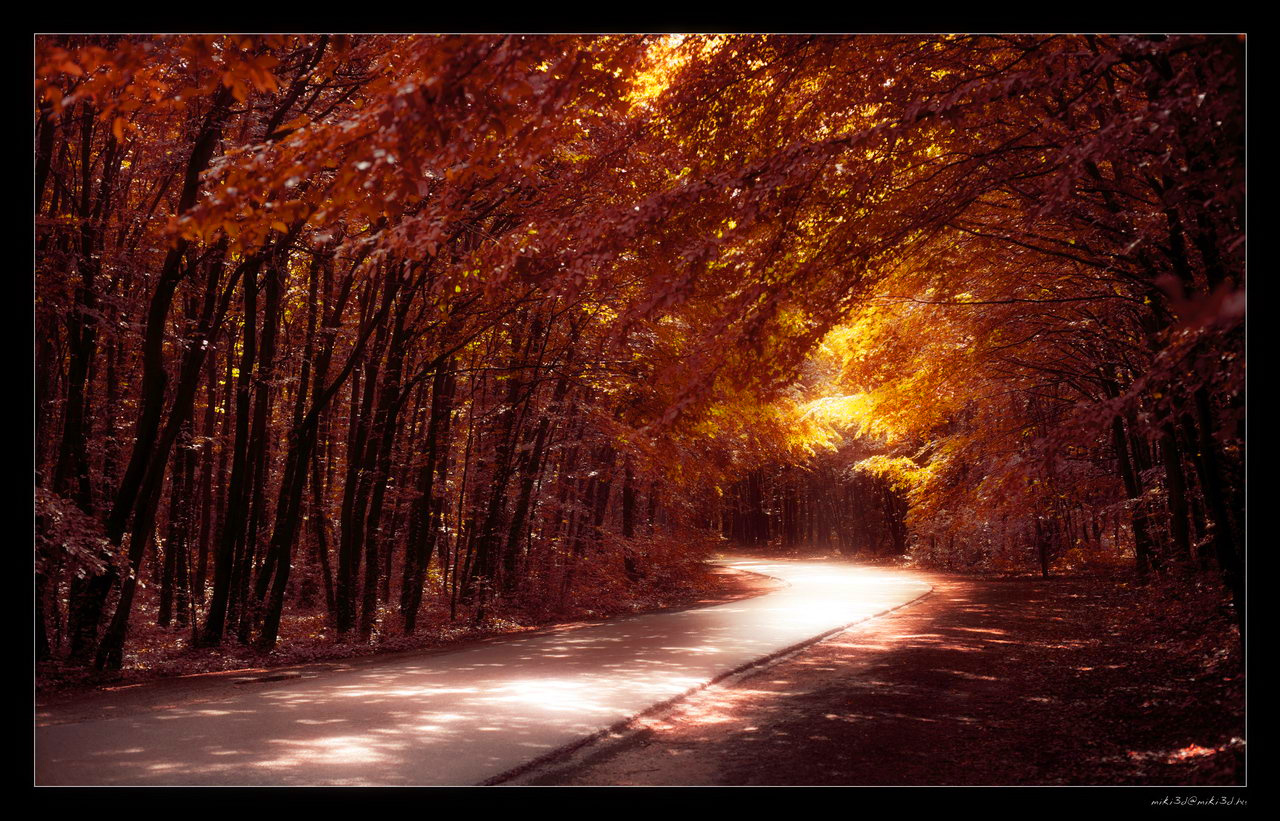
{"points": [[903, 474], [849, 412], [824, 422], [664, 59]]}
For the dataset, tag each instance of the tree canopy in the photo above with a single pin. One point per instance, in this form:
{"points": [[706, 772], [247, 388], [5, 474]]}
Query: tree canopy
{"points": [[341, 322]]}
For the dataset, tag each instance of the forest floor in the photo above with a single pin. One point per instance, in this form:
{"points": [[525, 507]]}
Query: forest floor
{"points": [[155, 654], [1080, 680]]}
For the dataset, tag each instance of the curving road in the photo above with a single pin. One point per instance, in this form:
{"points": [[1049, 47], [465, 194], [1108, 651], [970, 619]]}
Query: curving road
{"points": [[463, 717]]}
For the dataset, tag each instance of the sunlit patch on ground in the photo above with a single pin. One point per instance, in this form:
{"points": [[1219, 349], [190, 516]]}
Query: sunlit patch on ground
{"points": [[343, 750]]}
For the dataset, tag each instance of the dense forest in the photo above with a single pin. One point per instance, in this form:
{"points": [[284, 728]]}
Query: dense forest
{"points": [[384, 327]]}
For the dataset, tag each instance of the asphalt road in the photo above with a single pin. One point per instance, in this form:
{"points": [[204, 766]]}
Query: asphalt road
{"points": [[455, 718]]}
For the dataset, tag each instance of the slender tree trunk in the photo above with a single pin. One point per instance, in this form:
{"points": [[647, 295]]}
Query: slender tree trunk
{"points": [[428, 509], [231, 541]]}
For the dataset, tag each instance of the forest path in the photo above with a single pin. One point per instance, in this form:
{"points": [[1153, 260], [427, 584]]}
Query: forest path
{"points": [[463, 717]]}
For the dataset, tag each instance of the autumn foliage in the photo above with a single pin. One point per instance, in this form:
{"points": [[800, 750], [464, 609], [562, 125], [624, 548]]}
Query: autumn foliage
{"points": [[343, 323]]}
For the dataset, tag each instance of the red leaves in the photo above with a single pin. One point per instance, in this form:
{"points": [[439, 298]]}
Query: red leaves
{"points": [[1224, 307]]}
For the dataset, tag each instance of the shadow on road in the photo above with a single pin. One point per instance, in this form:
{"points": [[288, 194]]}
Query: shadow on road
{"points": [[995, 682]]}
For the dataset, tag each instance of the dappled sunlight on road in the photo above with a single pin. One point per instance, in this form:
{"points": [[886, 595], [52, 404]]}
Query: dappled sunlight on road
{"points": [[334, 750], [461, 717]]}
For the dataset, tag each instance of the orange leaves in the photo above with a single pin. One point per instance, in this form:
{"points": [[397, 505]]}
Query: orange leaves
{"points": [[238, 88], [138, 71], [301, 121], [53, 59], [52, 94], [440, 123], [132, 78], [69, 66], [254, 72]]}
